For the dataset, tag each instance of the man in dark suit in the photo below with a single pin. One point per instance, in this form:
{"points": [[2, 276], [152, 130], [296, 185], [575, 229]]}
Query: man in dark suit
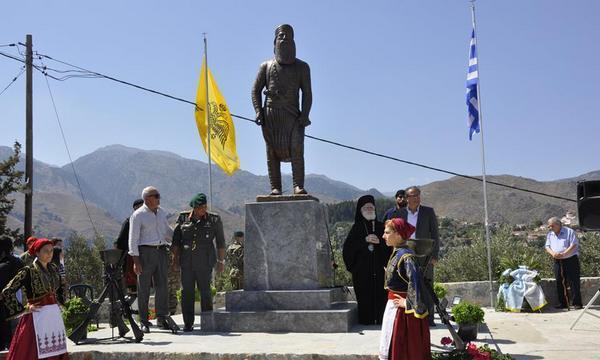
{"points": [[424, 219]]}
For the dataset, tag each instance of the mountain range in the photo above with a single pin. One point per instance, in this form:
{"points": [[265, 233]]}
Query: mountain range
{"points": [[113, 176]]}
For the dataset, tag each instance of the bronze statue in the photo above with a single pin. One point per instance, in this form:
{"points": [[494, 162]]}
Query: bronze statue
{"points": [[280, 117]]}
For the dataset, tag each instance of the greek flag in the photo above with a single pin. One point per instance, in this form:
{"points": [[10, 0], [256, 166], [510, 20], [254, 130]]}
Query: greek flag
{"points": [[472, 83]]}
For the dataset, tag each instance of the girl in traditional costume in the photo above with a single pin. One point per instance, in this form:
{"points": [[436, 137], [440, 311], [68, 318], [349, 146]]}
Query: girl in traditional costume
{"points": [[40, 333], [405, 329]]}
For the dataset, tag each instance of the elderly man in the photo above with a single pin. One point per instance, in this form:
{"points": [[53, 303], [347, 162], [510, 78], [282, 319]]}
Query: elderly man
{"points": [[394, 212], [423, 218], [563, 246], [194, 240], [149, 240]]}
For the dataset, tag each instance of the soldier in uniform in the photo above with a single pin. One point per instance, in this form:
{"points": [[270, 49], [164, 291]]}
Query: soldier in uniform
{"points": [[194, 240], [235, 260]]}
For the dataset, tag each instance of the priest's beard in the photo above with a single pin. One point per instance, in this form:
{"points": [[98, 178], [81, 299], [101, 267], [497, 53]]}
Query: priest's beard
{"points": [[368, 214], [285, 52]]}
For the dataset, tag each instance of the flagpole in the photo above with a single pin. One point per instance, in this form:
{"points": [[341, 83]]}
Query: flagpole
{"points": [[485, 205], [209, 128]]}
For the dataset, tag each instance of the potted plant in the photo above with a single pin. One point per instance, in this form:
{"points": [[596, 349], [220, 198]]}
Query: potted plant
{"points": [[439, 290], [468, 316], [74, 313]]}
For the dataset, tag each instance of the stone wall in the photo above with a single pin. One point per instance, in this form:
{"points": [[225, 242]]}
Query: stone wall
{"points": [[478, 291]]}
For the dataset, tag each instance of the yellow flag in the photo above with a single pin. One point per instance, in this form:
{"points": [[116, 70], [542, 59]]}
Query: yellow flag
{"points": [[222, 135]]}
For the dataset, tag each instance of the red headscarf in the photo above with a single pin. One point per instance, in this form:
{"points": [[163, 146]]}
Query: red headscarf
{"points": [[30, 241], [38, 245], [403, 228]]}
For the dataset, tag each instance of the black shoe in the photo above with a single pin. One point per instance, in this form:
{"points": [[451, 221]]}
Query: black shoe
{"points": [[163, 324], [188, 328], [145, 328], [578, 307], [560, 306]]}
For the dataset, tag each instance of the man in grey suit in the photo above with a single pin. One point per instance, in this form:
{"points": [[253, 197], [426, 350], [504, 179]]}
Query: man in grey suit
{"points": [[423, 218]]}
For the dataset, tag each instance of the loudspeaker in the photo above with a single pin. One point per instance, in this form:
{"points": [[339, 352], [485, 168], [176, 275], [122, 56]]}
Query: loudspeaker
{"points": [[588, 204]]}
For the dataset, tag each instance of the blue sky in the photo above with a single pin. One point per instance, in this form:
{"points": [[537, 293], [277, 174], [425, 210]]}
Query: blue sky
{"points": [[388, 76]]}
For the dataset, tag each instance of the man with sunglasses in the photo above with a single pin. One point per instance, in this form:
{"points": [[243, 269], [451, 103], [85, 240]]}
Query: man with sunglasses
{"points": [[149, 240]]}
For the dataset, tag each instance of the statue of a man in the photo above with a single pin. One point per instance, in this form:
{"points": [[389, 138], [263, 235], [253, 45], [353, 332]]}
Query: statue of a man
{"points": [[281, 118]]}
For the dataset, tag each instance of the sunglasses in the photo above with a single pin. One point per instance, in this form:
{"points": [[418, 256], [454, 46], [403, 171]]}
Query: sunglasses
{"points": [[157, 196]]}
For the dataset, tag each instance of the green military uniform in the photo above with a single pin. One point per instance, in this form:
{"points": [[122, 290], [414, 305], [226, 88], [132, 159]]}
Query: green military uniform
{"points": [[197, 257], [235, 259]]}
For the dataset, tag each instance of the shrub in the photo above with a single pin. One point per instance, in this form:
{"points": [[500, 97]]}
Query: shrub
{"points": [[73, 313], [440, 290], [467, 313]]}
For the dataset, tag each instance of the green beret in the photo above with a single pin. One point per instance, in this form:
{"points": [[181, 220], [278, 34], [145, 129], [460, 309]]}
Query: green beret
{"points": [[198, 200]]}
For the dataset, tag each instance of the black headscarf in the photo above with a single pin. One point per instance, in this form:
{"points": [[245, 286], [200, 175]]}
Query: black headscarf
{"points": [[365, 199]]}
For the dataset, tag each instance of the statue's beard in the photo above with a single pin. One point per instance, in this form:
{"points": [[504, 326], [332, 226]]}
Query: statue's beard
{"points": [[285, 52]]}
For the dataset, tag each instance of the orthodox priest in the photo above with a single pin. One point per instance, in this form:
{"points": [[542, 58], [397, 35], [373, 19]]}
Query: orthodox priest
{"points": [[365, 256], [281, 117]]}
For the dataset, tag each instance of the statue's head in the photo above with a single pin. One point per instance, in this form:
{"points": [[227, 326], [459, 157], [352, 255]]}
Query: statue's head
{"points": [[285, 47]]}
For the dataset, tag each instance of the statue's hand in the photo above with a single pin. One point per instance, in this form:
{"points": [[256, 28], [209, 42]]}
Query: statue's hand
{"points": [[259, 119], [304, 120]]}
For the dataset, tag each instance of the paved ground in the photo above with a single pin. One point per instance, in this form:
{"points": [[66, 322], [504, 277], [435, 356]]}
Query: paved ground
{"points": [[525, 336]]}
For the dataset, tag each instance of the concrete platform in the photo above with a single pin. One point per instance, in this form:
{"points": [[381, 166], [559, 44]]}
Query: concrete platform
{"points": [[524, 336]]}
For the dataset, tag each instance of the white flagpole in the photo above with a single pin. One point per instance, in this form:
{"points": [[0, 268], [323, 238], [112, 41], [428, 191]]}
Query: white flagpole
{"points": [[485, 207], [209, 128]]}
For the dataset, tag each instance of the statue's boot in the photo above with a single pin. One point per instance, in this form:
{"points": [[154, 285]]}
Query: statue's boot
{"points": [[274, 168], [298, 175]]}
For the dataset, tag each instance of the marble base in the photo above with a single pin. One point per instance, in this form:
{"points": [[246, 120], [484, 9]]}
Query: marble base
{"points": [[323, 299], [339, 318], [287, 246]]}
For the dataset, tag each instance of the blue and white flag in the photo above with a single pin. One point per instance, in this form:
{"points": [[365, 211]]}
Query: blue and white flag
{"points": [[472, 84]]}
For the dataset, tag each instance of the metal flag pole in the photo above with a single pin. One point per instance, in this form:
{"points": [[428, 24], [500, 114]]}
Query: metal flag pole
{"points": [[485, 206], [208, 124]]}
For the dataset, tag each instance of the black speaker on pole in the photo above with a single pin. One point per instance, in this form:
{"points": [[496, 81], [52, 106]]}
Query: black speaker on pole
{"points": [[588, 204]]}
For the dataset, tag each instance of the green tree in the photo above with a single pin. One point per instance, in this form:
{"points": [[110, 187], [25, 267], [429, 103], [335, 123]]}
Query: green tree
{"points": [[469, 262], [83, 263], [338, 233], [589, 253], [10, 182]]}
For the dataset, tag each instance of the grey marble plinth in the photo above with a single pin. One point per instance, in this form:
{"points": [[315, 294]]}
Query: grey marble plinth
{"points": [[339, 318], [323, 299], [287, 246]]}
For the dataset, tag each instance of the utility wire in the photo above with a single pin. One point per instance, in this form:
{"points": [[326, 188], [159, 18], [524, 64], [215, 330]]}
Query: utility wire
{"points": [[13, 80], [314, 137], [87, 210], [421, 165]]}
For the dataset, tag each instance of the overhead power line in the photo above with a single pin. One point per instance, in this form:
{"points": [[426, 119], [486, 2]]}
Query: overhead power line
{"points": [[13, 80], [100, 75], [62, 133]]}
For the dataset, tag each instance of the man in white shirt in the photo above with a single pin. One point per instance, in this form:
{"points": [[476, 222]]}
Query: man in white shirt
{"points": [[562, 244], [149, 239]]}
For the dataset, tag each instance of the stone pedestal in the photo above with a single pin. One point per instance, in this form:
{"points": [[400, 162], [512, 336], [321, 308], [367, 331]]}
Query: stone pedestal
{"points": [[286, 246], [288, 275]]}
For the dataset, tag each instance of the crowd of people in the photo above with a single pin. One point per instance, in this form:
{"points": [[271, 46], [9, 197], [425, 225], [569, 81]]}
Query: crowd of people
{"points": [[390, 281]]}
